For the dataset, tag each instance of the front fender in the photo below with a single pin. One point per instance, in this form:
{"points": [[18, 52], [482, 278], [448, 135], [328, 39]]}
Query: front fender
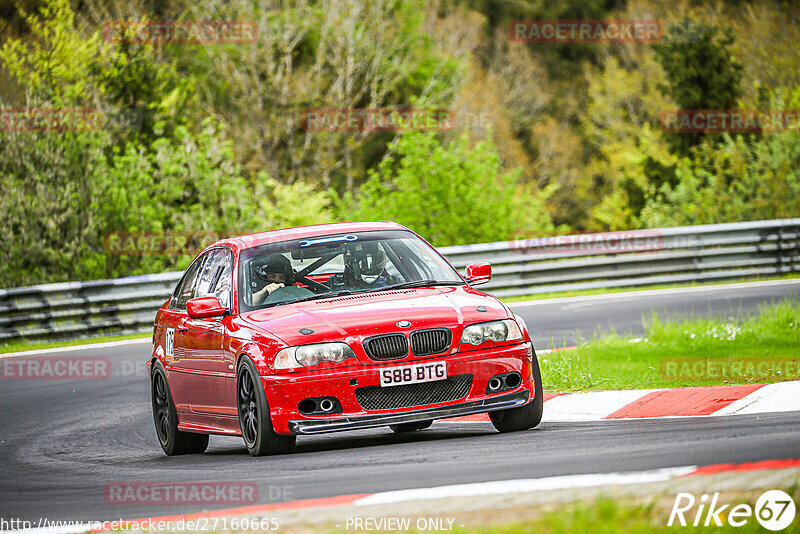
{"points": [[261, 356], [526, 335]]}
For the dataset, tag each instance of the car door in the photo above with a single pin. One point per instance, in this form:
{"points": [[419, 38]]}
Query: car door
{"points": [[175, 347], [203, 370], [214, 367]]}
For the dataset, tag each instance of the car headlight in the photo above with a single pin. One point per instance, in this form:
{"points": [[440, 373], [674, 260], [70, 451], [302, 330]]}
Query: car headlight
{"points": [[308, 355], [507, 330]]}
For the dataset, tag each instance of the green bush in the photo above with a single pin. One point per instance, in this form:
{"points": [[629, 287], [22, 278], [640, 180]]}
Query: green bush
{"points": [[452, 194], [217, 142], [61, 192], [737, 178]]}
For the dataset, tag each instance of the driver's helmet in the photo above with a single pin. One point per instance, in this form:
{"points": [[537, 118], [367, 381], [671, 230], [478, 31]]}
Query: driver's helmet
{"points": [[275, 263], [369, 263]]}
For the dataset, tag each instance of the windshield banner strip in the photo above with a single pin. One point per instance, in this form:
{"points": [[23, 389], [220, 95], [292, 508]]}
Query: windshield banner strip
{"points": [[349, 237]]}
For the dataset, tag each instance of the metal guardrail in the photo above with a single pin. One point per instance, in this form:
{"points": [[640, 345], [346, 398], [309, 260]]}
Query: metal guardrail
{"points": [[637, 258], [522, 267]]}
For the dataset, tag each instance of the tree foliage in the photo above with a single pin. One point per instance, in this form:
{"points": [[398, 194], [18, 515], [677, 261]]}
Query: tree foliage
{"points": [[61, 192], [558, 137], [701, 72], [737, 179], [451, 193]]}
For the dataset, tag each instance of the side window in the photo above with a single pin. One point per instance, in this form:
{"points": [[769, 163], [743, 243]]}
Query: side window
{"points": [[216, 277], [223, 289], [187, 288]]}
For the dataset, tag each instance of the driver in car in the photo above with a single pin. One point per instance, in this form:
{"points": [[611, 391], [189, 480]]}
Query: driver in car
{"points": [[276, 271], [367, 268]]}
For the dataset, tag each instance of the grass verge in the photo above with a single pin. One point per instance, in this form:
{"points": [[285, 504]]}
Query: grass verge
{"points": [[19, 346], [757, 348]]}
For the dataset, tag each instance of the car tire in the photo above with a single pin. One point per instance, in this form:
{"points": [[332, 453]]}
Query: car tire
{"points": [[255, 423], [165, 418], [410, 427], [524, 417]]}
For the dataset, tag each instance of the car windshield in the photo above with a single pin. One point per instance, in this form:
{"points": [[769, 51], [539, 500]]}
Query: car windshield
{"points": [[332, 265]]}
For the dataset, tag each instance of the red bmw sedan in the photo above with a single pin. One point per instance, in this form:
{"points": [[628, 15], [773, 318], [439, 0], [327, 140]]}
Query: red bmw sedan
{"points": [[331, 328]]}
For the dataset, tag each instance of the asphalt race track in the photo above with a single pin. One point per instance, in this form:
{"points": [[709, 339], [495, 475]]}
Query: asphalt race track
{"points": [[62, 442]]}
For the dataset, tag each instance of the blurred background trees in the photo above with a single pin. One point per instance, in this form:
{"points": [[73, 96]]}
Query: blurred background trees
{"points": [[547, 138]]}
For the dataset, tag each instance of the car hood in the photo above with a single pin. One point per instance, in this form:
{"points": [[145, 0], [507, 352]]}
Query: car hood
{"points": [[353, 318]]}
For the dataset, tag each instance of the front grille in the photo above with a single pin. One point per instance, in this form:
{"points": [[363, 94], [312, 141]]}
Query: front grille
{"points": [[425, 342], [388, 398], [388, 347]]}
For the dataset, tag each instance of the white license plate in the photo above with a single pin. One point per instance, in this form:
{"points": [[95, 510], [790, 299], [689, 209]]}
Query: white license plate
{"points": [[413, 374]]}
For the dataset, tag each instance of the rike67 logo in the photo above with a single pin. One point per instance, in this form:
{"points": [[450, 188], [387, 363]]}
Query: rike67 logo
{"points": [[774, 510]]}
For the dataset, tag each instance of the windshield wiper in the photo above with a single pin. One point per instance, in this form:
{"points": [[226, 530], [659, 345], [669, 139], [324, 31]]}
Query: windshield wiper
{"points": [[416, 283]]}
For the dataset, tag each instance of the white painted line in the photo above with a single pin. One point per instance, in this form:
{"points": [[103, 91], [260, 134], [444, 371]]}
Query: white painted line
{"points": [[591, 406], [649, 292], [87, 346], [778, 397], [525, 485]]}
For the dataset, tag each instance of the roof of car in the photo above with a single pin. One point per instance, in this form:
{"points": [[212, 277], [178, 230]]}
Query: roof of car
{"points": [[262, 238]]}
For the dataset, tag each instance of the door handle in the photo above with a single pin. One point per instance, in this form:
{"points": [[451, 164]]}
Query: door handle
{"points": [[182, 328]]}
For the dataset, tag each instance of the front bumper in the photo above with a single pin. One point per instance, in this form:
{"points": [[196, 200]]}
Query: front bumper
{"points": [[285, 391], [362, 422]]}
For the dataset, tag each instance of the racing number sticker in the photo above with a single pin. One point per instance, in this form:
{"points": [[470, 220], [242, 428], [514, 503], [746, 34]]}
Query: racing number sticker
{"points": [[169, 343]]}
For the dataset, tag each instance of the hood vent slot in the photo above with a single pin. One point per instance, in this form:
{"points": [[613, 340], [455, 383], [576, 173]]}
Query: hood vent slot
{"points": [[366, 295]]}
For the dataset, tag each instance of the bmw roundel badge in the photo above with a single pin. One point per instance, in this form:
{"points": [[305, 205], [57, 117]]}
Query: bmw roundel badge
{"points": [[403, 324]]}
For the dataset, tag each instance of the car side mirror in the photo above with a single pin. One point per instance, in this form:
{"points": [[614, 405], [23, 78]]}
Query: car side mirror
{"points": [[479, 273], [204, 308]]}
